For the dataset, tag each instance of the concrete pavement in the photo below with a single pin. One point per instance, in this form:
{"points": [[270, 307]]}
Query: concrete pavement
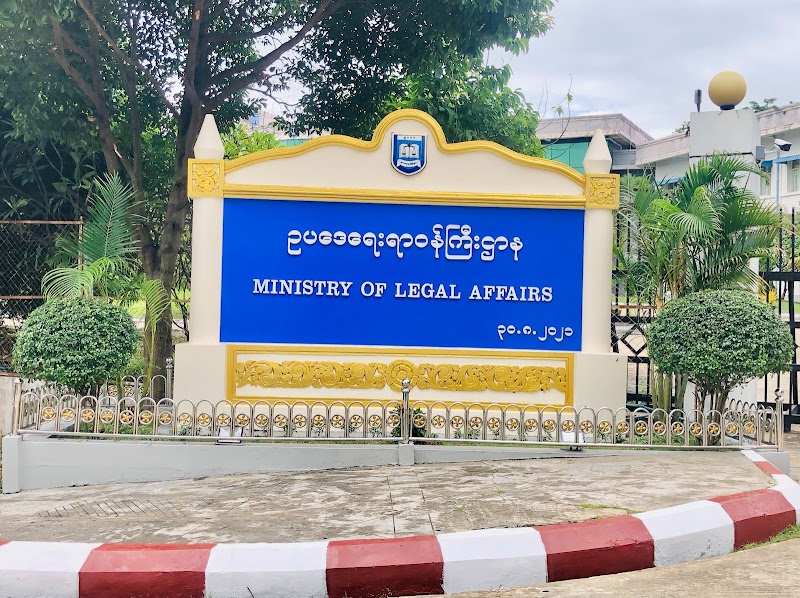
{"points": [[379, 502]]}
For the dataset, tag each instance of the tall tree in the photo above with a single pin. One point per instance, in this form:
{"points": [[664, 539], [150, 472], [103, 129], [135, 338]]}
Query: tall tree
{"points": [[127, 68], [470, 99]]}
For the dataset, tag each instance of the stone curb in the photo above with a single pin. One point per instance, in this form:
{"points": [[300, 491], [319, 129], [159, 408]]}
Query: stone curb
{"points": [[421, 565]]}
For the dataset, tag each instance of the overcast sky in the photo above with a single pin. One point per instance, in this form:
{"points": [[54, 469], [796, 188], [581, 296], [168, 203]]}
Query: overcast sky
{"points": [[645, 58]]}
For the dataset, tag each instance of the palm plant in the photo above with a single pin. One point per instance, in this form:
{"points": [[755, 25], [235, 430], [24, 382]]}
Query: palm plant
{"points": [[105, 259], [701, 235]]}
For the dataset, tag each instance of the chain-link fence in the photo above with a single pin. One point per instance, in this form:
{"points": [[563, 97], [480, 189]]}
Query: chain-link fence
{"points": [[27, 252]]}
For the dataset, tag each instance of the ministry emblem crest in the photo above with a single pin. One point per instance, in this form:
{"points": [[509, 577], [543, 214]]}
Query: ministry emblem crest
{"points": [[408, 153]]}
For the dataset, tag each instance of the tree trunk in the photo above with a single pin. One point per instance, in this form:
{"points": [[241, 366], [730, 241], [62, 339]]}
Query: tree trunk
{"points": [[161, 264]]}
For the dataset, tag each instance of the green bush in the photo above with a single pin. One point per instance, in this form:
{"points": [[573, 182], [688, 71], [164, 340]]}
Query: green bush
{"points": [[76, 342], [719, 339]]}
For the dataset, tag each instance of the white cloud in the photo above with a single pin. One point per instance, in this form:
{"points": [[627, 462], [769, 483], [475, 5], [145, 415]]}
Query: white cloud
{"points": [[645, 58]]}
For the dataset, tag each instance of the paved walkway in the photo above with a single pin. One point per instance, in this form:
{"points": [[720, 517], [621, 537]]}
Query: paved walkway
{"points": [[765, 571], [376, 502]]}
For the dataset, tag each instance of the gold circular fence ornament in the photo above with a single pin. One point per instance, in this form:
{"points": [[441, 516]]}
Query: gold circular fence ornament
{"points": [[623, 428], [318, 421], [531, 425], [223, 419], [165, 418], [749, 428], [660, 428], [696, 429], [475, 423], [145, 417], [337, 421], [126, 417], [493, 423], [87, 415], [356, 421], [512, 424], [438, 421], [568, 425], [185, 420], [549, 425], [67, 414], [48, 413], [586, 426], [604, 427], [419, 420], [677, 428], [375, 421], [204, 420], [640, 428], [731, 429], [242, 420], [281, 421], [393, 420], [261, 421], [106, 416], [299, 421], [713, 429]]}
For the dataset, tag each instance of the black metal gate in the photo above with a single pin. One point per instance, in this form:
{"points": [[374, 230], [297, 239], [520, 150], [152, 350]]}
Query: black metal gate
{"points": [[781, 273]]}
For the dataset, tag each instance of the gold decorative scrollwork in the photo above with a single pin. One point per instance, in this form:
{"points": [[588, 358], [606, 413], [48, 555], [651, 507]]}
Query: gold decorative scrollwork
{"points": [[205, 178], [373, 375], [602, 191]]}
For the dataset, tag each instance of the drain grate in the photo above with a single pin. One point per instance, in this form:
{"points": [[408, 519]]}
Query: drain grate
{"points": [[147, 508]]}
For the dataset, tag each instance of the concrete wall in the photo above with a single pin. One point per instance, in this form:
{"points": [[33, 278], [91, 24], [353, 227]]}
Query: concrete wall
{"points": [[47, 463], [671, 168], [36, 463], [6, 402]]}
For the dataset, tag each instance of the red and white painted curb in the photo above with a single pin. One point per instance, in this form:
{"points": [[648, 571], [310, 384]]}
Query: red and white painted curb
{"points": [[421, 565]]}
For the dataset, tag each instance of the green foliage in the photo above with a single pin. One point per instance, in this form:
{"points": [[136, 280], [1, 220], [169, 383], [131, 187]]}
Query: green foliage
{"points": [[720, 339], [471, 100], [240, 142], [430, 58], [106, 258], [766, 104], [135, 79], [699, 235], [76, 342]]}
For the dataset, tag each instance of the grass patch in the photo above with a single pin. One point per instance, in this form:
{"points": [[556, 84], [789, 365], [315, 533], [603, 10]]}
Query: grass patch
{"points": [[790, 533]]}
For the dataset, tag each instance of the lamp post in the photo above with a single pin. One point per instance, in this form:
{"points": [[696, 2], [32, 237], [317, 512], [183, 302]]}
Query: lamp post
{"points": [[778, 176]]}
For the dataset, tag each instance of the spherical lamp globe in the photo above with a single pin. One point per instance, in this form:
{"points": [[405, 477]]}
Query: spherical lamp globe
{"points": [[727, 89]]}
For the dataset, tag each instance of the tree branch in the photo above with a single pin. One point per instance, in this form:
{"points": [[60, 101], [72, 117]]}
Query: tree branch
{"points": [[62, 39], [192, 54], [256, 68], [224, 38], [134, 63]]}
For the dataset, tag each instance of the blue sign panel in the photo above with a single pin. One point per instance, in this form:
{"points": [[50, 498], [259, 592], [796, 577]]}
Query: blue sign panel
{"points": [[342, 273]]}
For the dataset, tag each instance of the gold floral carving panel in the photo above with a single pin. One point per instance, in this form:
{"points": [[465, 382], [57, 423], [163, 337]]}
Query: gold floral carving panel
{"points": [[205, 178], [602, 191], [374, 375]]}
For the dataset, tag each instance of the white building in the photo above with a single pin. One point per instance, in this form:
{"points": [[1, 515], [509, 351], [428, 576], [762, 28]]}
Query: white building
{"points": [[668, 158]]}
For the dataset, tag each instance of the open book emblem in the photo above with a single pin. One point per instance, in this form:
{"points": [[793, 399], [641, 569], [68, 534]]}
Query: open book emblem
{"points": [[408, 153]]}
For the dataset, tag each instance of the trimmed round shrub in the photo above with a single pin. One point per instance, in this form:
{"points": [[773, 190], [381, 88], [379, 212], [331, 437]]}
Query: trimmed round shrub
{"points": [[719, 339], [77, 343]]}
